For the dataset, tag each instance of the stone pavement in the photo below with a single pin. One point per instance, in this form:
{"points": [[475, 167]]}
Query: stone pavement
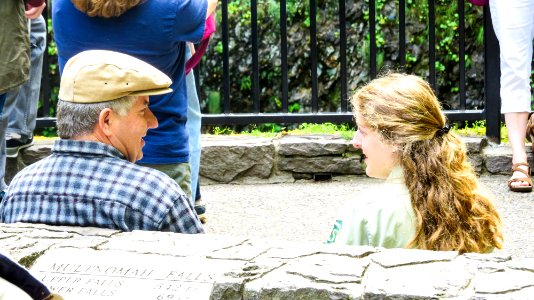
{"points": [[304, 210]]}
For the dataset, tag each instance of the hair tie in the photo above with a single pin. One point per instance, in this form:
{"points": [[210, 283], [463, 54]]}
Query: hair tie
{"points": [[443, 130]]}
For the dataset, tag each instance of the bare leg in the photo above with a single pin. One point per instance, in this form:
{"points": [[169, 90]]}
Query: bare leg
{"points": [[516, 123]]}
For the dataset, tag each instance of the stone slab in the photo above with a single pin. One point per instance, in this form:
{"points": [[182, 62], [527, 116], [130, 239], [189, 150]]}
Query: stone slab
{"points": [[228, 159], [499, 158], [311, 145], [322, 164], [92, 263], [97, 274], [428, 280]]}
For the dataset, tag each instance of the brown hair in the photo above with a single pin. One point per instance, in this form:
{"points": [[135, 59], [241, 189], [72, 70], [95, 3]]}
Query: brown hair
{"points": [[105, 8], [452, 212]]}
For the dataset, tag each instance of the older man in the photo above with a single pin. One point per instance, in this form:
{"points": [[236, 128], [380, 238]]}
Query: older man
{"points": [[91, 179]]}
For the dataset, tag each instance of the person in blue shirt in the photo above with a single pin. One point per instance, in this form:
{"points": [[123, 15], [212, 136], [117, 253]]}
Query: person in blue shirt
{"points": [[91, 178], [154, 31]]}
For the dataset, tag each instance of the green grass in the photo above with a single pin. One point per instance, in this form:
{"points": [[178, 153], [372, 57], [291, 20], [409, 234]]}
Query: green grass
{"points": [[478, 128], [346, 131], [272, 130]]}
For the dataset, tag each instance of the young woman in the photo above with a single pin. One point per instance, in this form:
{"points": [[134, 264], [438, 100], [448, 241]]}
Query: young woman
{"points": [[430, 199]]}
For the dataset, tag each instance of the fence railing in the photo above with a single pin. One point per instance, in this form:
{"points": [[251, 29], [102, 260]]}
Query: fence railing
{"points": [[490, 113]]}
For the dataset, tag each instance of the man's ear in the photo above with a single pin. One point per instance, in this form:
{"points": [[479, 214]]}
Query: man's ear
{"points": [[105, 119]]}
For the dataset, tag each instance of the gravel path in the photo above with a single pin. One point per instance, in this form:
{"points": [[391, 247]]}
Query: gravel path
{"points": [[304, 211]]}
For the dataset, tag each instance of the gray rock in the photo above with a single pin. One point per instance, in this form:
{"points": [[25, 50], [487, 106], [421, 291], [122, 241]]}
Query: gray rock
{"points": [[475, 144], [226, 159], [401, 257], [503, 283], [433, 279], [311, 277], [499, 159], [323, 164], [37, 151], [144, 241], [251, 160], [311, 145], [477, 161]]}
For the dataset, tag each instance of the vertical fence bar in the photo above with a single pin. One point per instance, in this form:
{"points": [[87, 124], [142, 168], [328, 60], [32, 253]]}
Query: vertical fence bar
{"points": [[45, 92], [402, 34], [343, 55], [432, 44], [255, 65], [226, 63], [283, 52], [461, 14], [372, 38], [492, 84], [313, 48]]}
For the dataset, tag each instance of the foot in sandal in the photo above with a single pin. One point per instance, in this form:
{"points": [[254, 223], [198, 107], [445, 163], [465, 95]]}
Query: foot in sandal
{"points": [[520, 180]]}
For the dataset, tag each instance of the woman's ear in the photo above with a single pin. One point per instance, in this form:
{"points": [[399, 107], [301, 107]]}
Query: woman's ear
{"points": [[105, 120]]}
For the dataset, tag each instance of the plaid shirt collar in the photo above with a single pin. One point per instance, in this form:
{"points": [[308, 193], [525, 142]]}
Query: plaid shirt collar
{"points": [[86, 147]]}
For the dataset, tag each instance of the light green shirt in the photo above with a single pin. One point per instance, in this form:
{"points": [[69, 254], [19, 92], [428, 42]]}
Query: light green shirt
{"points": [[380, 217]]}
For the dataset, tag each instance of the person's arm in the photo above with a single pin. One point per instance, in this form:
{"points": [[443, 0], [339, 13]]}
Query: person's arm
{"points": [[191, 48], [20, 277], [212, 6], [34, 8]]}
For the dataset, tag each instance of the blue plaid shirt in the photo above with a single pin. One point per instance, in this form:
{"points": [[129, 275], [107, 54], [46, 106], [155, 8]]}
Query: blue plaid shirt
{"points": [[87, 183]]}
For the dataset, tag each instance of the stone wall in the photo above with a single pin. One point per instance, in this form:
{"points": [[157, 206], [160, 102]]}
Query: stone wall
{"points": [[246, 159], [92, 263]]}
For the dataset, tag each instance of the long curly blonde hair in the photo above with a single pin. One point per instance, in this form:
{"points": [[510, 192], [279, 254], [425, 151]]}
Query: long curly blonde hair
{"points": [[105, 8], [452, 212]]}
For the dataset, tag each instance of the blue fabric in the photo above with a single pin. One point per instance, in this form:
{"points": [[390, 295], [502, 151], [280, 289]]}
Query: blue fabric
{"points": [[154, 31], [2, 101], [91, 184], [193, 126], [20, 277], [3, 127]]}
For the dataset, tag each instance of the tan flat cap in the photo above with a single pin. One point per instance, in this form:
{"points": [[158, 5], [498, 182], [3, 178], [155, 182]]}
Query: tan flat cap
{"points": [[100, 75]]}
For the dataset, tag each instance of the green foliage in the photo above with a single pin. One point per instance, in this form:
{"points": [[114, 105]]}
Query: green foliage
{"points": [[47, 132], [222, 131], [346, 131], [328, 44], [214, 102], [358, 41], [476, 128], [53, 76]]}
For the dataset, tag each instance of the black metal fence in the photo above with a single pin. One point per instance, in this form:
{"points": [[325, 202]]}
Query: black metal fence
{"points": [[490, 113]]}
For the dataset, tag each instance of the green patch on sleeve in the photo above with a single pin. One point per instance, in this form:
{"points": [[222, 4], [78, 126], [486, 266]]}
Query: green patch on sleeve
{"points": [[337, 227]]}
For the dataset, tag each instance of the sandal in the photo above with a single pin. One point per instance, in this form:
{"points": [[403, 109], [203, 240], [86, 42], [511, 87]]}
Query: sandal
{"points": [[530, 129], [523, 189]]}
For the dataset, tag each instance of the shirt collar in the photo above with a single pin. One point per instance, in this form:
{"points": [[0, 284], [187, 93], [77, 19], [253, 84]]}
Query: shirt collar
{"points": [[86, 147]]}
